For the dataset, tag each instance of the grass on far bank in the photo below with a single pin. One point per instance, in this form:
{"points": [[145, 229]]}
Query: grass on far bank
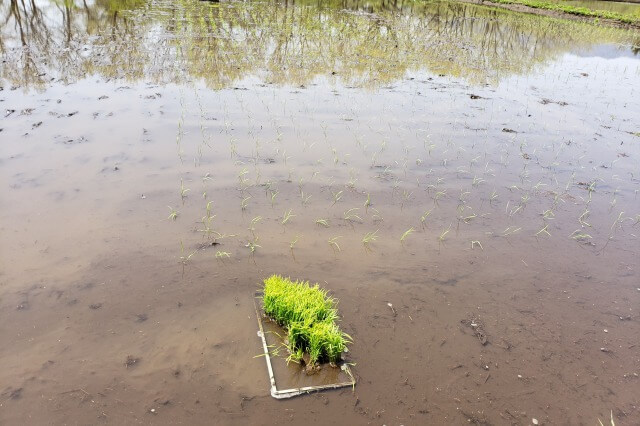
{"points": [[574, 10]]}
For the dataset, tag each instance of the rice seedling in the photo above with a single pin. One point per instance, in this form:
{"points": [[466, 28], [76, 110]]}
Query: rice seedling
{"points": [[322, 222], [273, 197], [173, 213], [582, 218], [252, 225], [467, 219], [438, 196], [443, 235], [309, 315], [245, 202], [406, 195], [286, 217], [476, 243], [351, 216], [304, 199], [510, 230], [337, 196], [580, 236], [548, 214], [544, 230], [477, 181], [423, 218], [207, 230], [333, 242], [222, 255], [611, 420], [253, 245], [183, 190], [405, 234], [369, 237], [293, 242], [377, 217], [185, 258], [367, 203]]}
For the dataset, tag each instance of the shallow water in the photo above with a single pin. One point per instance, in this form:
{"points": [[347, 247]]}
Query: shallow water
{"points": [[509, 143]]}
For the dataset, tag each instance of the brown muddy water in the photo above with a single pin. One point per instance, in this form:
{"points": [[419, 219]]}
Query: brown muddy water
{"points": [[143, 142]]}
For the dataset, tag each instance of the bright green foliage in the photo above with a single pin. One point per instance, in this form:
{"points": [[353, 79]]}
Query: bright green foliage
{"points": [[309, 316]]}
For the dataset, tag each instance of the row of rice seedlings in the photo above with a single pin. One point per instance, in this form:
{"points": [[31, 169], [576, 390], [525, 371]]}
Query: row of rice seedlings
{"points": [[309, 316], [525, 187]]}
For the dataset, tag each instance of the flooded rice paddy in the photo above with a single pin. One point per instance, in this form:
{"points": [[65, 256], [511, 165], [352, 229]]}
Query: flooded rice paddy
{"points": [[472, 168]]}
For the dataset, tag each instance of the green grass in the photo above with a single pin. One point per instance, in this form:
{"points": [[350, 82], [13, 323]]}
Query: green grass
{"points": [[309, 315], [573, 10]]}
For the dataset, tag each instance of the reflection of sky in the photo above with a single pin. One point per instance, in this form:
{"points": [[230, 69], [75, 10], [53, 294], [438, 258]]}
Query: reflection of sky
{"points": [[608, 51]]}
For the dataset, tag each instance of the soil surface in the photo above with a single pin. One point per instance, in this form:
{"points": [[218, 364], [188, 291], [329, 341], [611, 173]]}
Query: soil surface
{"points": [[463, 180]]}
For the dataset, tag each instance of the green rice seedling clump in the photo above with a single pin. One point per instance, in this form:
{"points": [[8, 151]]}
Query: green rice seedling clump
{"points": [[309, 315]]}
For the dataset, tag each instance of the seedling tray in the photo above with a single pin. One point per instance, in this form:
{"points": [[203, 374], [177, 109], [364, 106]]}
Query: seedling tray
{"points": [[290, 379]]}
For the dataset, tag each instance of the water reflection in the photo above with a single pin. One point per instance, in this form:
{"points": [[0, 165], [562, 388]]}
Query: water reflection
{"points": [[363, 43]]}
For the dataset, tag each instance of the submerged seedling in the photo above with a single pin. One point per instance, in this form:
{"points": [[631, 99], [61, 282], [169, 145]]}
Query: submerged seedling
{"points": [[245, 202], [322, 222], [351, 216], [253, 245], [476, 243], [222, 255], [293, 242], [254, 222], [369, 237], [287, 216], [442, 236], [423, 218], [367, 203], [337, 196], [405, 234], [183, 190], [333, 242], [274, 194], [543, 230], [173, 215]]}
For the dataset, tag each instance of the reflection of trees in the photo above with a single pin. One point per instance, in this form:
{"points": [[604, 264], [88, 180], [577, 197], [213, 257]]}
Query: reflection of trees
{"points": [[45, 40], [287, 41]]}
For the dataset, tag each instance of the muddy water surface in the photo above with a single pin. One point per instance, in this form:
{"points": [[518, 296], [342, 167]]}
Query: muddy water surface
{"points": [[474, 168]]}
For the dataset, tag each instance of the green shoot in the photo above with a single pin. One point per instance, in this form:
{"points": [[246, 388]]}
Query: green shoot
{"points": [[367, 203], [253, 245], [222, 255], [254, 222], [245, 202], [350, 215], [173, 215], [322, 222], [405, 234], [287, 216], [423, 218], [336, 196], [370, 237], [543, 230], [183, 190], [334, 244]]}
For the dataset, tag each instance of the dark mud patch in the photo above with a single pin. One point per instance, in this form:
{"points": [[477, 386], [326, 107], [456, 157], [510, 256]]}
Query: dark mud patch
{"points": [[477, 328], [132, 361]]}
